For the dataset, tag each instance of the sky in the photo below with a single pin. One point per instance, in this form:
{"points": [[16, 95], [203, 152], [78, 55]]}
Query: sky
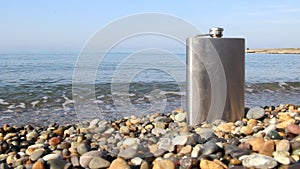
{"points": [[67, 25]]}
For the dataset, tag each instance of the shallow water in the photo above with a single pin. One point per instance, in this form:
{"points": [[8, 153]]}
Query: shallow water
{"points": [[36, 87]]}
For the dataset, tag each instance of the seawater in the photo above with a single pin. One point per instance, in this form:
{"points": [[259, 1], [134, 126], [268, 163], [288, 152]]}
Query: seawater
{"points": [[36, 87]]}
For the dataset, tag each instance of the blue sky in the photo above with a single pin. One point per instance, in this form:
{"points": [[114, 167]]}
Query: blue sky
{"points": [[67, 25]]}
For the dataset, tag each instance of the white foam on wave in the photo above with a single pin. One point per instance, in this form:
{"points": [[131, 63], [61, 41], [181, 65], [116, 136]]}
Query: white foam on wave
{"points": [[98, 101], [5, 117], [249, 90], [21, 105], [99, 97], [68, 101], [282, 84], [34, 103], [3, 102]]}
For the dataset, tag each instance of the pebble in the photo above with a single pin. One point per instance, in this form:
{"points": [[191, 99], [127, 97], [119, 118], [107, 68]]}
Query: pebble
{"points": [[94, 123], [51, 157], [162, 140], [127, 153], [255, 113], [37, 154], [54, 141], [267, 148], [186, 150], [258, 161], [283, 145], [57, 163], [180, 140], [206, 164], [210, 147], [98, 162], [226, 127], [180, 117], [136, 161], [256, 143], [144, 165], [124, 130], [119, 163], [38, 165], [83, 148], [87, 157], [246, 130], [274, 135], [196, 151], [166, 144], [282, 157], [163, 164], [75, 161], [293, 128]]}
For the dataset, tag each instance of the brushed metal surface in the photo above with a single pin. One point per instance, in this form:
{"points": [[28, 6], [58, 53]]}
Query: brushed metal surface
{"points": [[215, 79]]}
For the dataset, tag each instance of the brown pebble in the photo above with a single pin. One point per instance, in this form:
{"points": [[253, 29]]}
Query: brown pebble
{"points": [[293, 128], [163, 164], [38, 165], [235, 161], [245, 146], [186, 150], [144, 165], [247, 130], [119, 163], [206, 164], [267, 148], [54, 141], [226, 127], [285, 124], [256, 143], [252, 122], [59, 131]]}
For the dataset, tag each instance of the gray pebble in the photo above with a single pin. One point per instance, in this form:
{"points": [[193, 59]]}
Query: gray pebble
{"points": [[94, 123], [258, 161], [83, 148], [75, 161], [255, 113], [180, 140], [57, 163], [87, 157], [98, 162], [37, 154], [210, 147]]}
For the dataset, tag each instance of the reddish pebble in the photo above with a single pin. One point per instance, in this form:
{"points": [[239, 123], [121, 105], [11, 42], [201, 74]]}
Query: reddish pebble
{"points": [[54, 141], [38, 165], [293, 128]]}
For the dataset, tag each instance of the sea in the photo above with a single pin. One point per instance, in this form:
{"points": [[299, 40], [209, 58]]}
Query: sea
{"points": [[40, 87]]}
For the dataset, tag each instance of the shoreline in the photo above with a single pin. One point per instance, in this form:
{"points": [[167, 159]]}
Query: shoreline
{"points": [[274, 51], [266, 137]]}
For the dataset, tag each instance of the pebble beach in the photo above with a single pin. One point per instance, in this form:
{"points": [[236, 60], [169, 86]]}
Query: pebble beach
{"points": [[266, 137]]}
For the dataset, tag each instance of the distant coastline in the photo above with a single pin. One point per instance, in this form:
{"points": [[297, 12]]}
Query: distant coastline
{"points": [[275, 51]]}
